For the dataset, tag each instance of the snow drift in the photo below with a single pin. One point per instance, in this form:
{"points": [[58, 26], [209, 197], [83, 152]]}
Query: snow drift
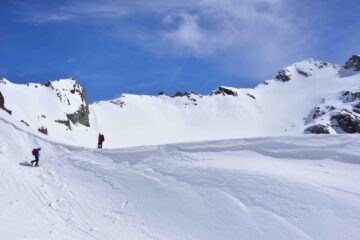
{"points": [[262, 188]]}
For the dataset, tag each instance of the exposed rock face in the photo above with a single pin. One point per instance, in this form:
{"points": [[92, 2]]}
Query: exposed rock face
{"points": [[162, 94], [318, 129], [224, 91], [346, 122], [283, 75], [81, 116], [2, 104], [353, 63]]}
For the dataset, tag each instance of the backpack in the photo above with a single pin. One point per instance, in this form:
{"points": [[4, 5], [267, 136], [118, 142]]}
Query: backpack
{"points": [[102, 138], [34, 152]]}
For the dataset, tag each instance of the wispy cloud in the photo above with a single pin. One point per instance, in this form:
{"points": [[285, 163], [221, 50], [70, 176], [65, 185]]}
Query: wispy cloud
{"points": [[261, 31]]}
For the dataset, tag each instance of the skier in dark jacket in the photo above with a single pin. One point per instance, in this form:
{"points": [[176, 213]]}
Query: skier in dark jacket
{"points": [[101, 139], [37, 155]]}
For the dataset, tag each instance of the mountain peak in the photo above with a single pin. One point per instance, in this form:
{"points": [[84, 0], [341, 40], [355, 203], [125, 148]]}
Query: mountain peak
{"points": [[65, 83]]}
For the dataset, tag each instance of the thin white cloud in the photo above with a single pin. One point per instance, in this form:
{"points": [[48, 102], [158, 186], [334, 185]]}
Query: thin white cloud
{"points": [[261, 31], [187, 34]]}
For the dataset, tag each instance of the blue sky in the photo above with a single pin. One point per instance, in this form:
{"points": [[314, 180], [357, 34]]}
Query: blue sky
{"points": [[145, 47]]}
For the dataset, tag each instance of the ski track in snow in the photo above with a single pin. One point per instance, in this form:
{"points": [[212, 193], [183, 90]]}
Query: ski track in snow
{"points": [[262, 188]]}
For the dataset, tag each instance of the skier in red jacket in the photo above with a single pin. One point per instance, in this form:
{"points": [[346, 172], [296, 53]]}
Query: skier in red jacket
{"points": [[101, 139]]}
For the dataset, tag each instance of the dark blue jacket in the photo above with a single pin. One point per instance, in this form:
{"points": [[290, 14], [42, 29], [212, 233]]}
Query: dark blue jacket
{"points": [[37, 153]]}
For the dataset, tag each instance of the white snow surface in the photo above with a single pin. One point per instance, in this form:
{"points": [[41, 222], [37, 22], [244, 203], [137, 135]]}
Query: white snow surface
{"points": [[279, 109], [273, 188]]}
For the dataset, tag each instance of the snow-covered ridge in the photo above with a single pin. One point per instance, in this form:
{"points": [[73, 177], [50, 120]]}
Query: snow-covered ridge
{"points": [[280, 106], [55, 105]]}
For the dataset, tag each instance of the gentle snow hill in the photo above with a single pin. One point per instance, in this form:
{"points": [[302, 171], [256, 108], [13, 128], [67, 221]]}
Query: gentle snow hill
{"points": [[290, 188], [311, 96]]}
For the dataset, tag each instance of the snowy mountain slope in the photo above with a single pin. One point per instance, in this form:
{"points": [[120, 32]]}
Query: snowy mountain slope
{"points": [[263, 188], [52, 108], [282, 106]]}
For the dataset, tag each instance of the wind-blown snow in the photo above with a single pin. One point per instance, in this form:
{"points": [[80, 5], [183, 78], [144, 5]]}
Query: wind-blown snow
{"points": [[260, 188]]}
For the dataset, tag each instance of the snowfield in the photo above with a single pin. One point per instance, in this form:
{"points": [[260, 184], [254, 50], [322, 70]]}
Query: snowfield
{"points": [[304, 187]]}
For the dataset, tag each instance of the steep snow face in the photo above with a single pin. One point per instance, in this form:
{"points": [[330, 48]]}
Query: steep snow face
{"points": [[52, 107], [290, 188], [280, 106]]}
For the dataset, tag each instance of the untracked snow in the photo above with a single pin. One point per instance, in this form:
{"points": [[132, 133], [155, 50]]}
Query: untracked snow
{"points": [[260, 188]]}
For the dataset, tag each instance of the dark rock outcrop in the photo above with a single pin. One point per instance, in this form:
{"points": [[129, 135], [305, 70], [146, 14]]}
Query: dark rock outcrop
{"points": [[304, 73], [2, 104], [250, 95], [318, 129], [43, 130], [321, 64], [81, 116], [346, 122], [22, 121], [65, 122], [118, 102], [348, 96], [353, 63], [283, 75], [224, 91], [356, 108], [183, 94], [317, 112], [48, 84]]}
